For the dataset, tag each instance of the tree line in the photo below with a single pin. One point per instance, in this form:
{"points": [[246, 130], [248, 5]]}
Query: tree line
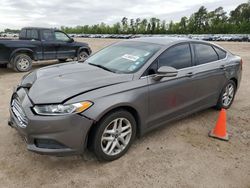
{"points": [[200, 22]]}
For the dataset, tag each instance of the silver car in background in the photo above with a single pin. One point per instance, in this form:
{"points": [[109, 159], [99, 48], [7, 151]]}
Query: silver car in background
{"points": [[121, 92]]}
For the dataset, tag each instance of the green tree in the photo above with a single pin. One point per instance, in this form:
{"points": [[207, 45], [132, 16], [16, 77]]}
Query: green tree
{"points": [[125, 24], [201, 21]]}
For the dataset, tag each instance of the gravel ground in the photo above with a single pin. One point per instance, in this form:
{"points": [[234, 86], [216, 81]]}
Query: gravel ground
{"points": [[178, 155]]}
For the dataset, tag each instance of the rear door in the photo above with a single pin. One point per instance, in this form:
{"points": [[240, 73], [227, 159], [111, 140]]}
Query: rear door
{"points": [[171, 97], [65, 48], [209, 73], [49, 44]]}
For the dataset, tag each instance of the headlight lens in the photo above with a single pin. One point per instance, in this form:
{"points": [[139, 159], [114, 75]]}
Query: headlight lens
{"points": [[61, 109]]}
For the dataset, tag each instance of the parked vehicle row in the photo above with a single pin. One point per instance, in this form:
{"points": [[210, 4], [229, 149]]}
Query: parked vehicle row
{"points": [[36, 44], [206, 37], [9, 35], [217, 37]]}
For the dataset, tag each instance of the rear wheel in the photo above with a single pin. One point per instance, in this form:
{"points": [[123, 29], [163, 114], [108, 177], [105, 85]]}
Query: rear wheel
{"points": [[227, 95], [22, 63], [82, 56], [114, 135]]}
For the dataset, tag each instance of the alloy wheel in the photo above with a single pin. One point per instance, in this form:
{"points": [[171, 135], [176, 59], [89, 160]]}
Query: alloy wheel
{"points": [[82, 56], [116, 136], [23, 64], [228, 95]]}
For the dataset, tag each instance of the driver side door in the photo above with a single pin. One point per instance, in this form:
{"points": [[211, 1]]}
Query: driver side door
{"points": [[65, 47], [171, 97], [48, 44]]}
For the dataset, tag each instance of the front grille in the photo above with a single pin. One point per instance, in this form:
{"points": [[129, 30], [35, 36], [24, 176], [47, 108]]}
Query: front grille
{"points": [[19, 113]]}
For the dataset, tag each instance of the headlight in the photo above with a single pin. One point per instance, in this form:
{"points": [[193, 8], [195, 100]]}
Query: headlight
{"points": [[60, 109]]}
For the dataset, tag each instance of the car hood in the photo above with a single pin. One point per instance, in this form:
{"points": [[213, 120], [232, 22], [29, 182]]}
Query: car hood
{"points": [[56, 84]]}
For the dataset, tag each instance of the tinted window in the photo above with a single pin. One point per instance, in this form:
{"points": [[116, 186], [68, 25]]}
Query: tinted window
{"points": [[47, 35], [221, 53], [178, 57], [205, 53], [22, 33], [61, 36], [32, 34]]}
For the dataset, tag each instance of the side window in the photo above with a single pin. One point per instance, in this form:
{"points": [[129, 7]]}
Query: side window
{"points": [[61, 36], [178, 57], [32, 34], [22, 34], [205, 54], [47, 35], [221, 53]]}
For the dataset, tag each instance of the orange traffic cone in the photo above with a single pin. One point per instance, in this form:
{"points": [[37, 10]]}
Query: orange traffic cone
{"points": [[220, 131]]}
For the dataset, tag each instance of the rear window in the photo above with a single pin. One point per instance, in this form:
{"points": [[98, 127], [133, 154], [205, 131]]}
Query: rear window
{"points": [[22, 34], [221, 53], [32, 34], [205, 54]]}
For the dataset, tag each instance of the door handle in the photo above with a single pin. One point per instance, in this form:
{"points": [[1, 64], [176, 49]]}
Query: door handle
{"points": [[190, 74]]}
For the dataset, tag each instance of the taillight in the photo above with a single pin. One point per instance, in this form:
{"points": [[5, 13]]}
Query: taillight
{"points": [[241, 64]]}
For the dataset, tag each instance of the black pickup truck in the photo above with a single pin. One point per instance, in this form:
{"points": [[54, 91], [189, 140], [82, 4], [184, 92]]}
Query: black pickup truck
{"points": [[37, 44]]}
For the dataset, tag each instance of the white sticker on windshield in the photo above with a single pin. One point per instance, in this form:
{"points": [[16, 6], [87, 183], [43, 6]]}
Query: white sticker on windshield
{"points": [[130, 57]]}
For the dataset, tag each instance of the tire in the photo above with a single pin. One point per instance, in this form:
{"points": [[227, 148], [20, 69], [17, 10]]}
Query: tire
{"points": [[103, 139], [228, 92], [22, 63], [62, 60], [82, 56]]}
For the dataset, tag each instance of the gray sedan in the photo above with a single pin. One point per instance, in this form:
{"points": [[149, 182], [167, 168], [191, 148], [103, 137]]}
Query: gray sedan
{"points": [[121, 92]]}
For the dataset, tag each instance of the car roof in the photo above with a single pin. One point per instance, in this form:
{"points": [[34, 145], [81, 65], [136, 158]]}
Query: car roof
{"points": [[164, 40], [38, 28]]}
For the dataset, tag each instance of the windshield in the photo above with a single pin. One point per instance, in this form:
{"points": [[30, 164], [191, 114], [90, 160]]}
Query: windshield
{"points": [[124, 57]]}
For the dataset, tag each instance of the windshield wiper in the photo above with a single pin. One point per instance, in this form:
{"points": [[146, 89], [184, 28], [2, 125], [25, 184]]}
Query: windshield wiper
{"points": [[102, 67]]}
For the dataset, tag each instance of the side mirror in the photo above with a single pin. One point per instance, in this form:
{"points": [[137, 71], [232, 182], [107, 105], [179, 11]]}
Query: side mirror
{"points": [[165, 71]]}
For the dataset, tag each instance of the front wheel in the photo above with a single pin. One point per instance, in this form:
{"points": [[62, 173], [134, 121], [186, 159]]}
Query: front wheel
{"points": [[114, 135], [82, 56], [227, 95]]}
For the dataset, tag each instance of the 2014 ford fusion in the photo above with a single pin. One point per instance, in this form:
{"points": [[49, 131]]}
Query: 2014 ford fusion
{"points": [[121, 92]]}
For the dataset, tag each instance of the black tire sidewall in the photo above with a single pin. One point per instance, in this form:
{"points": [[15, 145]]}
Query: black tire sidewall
{"points": [[220, 103], [100, 129], [17, 57]]}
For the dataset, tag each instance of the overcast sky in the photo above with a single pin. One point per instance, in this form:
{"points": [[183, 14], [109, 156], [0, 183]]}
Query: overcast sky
{"points": [[55, 13]]}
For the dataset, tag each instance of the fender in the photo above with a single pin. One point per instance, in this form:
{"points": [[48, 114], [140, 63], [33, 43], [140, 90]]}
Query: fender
{"points": [[34, 55], [83, 48], [139, 115]]}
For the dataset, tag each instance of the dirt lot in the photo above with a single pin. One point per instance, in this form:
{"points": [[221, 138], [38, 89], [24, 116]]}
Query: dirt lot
{"points": [[178, 155]]}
